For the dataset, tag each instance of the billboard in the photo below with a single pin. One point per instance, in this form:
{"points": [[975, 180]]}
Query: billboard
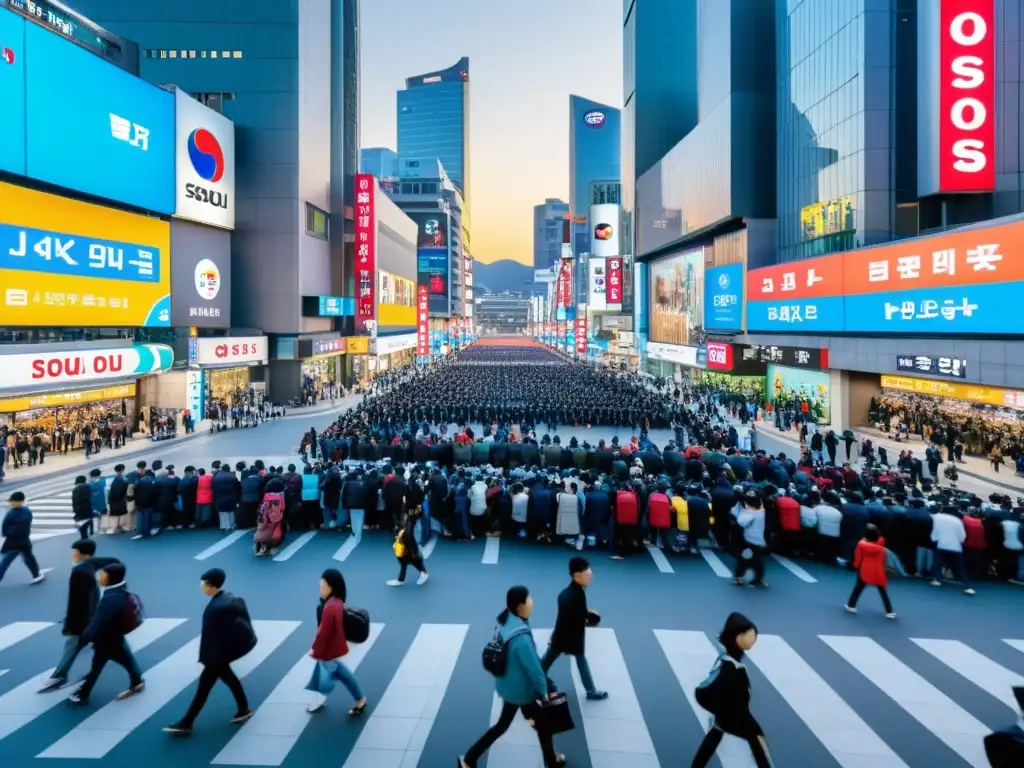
{"points": [[200, 276], [204, 169], [615, 276], [422, 321], [598, 291], [1008, 398], [433, 257], [73, 264], [365, 250], [12, 86], [90, 365], [677, 293], [723, 298], [604, 231], [94, 128], [957, 282], [233, 350], [956, 96]]}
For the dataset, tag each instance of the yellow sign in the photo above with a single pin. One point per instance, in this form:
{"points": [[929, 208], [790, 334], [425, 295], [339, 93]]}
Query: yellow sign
{"points": [[1009, 398], [74, 264], [395, 315], [357, 345], [827, 218], [61, 399]]}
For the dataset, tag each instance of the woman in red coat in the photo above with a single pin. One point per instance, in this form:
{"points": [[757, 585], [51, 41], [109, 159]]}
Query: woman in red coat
{"points": [[330, 645], [869, 559]]}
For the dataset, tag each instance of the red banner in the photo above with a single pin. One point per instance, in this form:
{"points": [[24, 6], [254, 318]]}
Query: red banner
{"points": [[581, 335], [365, 252], [614, 281], [423, 320], [719, 356]]}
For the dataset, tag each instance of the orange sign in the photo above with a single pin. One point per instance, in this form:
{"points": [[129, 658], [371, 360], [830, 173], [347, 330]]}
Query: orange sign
{"points": [[357, 345], [1009, 398], [802, 279]]}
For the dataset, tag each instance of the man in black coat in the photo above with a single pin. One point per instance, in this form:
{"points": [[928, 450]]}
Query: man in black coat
{"points": [[117, 499], [145, 504], [227, 636], [83, 596], [570, 632]]}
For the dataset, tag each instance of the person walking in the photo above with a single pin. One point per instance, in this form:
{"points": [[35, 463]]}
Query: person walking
{"points": [[106, 631], [81, 506], [726, 694], [407, 551], [83, 597], [570, 632], [523, 682], [330, 645], [750, 518], [16, 530], [869, 559], [117, 497], [227, 636]]}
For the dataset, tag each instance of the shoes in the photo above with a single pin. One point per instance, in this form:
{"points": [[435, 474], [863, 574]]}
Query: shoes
{"points": [[849, 609], [395, 583], [759, 583], [317, 704], [597, 695], [133, 691], [968, 591], [936, 583], [39, 579], [53, 684], [422, 579], [136, 537], [78, 700], [244, 717], [890, 615], [178, 729]]}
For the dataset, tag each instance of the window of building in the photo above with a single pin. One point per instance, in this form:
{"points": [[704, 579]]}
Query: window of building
{"points": [[162, 53], [236, 55], [316, 222], [226, 55], [429, 188], [406, 188], [213, 54]]}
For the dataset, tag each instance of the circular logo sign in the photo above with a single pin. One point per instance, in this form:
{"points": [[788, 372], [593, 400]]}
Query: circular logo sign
{"points": [[723, 281], [205, 154], [8, 55], [207, 280], [603, 232], [594, 119]]}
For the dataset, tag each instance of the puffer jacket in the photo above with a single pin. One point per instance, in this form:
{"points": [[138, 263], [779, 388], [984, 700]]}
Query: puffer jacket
{"points": [[520, 506], [477, 499], [81, 502], [310, 487], [659, 511], [98, 495], [204, 493]]}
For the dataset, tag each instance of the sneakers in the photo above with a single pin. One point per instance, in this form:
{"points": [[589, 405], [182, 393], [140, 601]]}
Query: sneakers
{"points": [[133, 691], [849, 609], [178, 729], [77, 699], [395, 583], [597, 695], [935, 583], [890, 615], [969, 591], [136, 537], [39, 579], [317, 704], [422, 579]]}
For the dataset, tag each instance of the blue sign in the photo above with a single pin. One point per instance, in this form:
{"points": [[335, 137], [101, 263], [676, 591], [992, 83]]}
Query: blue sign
{"points": [[986, 308], [12, 93], [94, 128], [723, 298], [336, 306], [821, 315]]}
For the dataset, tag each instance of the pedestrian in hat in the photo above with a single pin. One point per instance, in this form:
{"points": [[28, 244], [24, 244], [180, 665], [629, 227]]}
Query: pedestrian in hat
{"points": [[17, 533]]}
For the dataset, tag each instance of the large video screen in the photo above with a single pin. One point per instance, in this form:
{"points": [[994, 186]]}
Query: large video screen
{"points": [[676, 298]]}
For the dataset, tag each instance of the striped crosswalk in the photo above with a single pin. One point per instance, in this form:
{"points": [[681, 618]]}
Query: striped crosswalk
{"points": [[416, 679]]}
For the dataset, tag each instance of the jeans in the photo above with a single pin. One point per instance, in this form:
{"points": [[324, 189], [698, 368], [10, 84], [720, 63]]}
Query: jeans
{"points": [[551, 655], [330, 517], [67, 657], [952, 560], [143, 522], [858, 588], [207, 679], [121, 655], [924, 558], [204, 515], [26, 554], [344, 516], [338, 670], [496, 731], [358, 520]]}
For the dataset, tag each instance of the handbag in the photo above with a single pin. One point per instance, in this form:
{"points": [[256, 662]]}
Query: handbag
{"points": [[552, 715], [321, 680]]}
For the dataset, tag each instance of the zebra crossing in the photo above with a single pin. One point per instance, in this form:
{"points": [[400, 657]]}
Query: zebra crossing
{"points": [[415, 680], [50, 502]]}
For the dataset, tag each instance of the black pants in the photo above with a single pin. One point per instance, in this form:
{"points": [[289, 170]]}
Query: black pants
{"points": [[207, 678], [496, 731], [100, 656], [714, 737], [404, 563], [85, 529], [858, 588], [754, 563]]}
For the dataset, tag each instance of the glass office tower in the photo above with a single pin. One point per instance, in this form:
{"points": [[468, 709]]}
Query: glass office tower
{"points": [[594, 149], [379, 161], [433, 121]]}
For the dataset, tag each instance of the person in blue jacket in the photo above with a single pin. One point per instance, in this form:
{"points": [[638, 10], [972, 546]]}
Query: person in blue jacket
{"points": [[225, 496], [98, 497], [523, 683], [17, 534]]}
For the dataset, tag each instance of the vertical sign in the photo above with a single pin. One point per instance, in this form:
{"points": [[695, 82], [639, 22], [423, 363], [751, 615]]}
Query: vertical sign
{"points": [[581, 336], [614, 293], [423, 321], [365, 267], [195, 393], [598, 284]]}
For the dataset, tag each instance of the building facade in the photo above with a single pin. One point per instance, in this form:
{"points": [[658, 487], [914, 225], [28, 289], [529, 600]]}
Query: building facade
{"points": [[594, 149], [379, 162], [548, 228], [433, 121]]}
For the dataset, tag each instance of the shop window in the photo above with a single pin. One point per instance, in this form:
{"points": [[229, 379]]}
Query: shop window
{"points": [[316, 222]]}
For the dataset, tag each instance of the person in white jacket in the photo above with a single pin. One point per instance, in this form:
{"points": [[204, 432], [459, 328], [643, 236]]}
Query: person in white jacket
{"points": [[949, 535], [478, 508]]}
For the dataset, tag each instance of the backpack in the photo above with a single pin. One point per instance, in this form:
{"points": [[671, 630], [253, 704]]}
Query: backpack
{"points": [[133, 613], [495, 655], [356, 623], [399, 545], [709, 691]]}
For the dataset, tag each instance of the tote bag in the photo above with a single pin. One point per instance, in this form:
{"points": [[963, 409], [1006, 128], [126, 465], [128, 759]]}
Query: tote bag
{"points": [[552, 715]]}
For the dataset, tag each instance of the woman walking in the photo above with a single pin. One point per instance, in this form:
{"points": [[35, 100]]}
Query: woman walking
{"points": [[407, 550], [330, 646], [523, 682], [726, 694], [869, 560]]}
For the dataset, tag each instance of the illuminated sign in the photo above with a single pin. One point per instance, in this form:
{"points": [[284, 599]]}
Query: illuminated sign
{"points": [[366, 244], [434, 79], [64, 399], [723, 298], [988, 395], [954, 367], [33, 370], [594, 118]]}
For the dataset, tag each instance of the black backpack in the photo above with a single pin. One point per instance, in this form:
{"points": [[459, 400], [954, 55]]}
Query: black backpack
{"points": [[495, 655], [709, 691], [356, 623]]}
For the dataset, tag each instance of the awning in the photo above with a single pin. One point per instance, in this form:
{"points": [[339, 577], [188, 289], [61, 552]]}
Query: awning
{"points": [[59, 398]]}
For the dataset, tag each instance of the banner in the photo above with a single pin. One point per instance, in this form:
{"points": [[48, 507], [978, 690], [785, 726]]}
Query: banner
{"points": [[719, 356], [433, 257], [614, 298], [976, 394], [34, 370], [228, 350], [953, 367], [598, 284], [63, 399], [422, 320], [365, 253], [581, 335], [677, 298], [723, 298]]}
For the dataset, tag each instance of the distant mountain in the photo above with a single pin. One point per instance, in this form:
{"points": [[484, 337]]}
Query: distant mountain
{"points": [[504, 275]]}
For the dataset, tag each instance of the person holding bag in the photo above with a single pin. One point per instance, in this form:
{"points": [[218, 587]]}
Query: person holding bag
{"points": [[330, 645], [520, 679]]}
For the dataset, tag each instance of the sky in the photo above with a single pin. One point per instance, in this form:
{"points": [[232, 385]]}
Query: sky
{"points": [[525, 58]]}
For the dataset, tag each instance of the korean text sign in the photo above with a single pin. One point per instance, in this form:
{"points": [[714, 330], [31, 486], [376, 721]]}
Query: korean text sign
{"points": [[723, 298], [365, 249], [67, 263], [581, 335], [615, 283], [94, 128], [423, 320], [955, 282]]}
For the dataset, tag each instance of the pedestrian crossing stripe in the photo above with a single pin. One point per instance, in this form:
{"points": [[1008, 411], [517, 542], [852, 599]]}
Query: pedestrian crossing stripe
{"points": [[615, 730]]}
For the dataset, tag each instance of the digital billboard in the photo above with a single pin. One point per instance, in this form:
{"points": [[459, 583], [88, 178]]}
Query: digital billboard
{"points": [[12, 93], [676, 298], [94, 128], [723, 298], [433, 258], [205, 166], [605, 237], [68, 263]]}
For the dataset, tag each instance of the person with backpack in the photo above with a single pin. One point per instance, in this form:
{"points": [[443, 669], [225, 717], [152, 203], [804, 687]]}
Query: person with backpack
{"points": [[119, 613], [330, 645], [407, 551], [725, 693], [869, 560], [227, 636], [520, 680]]}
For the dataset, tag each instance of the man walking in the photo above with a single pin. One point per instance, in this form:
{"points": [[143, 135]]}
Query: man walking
{"points": [[83, 596], [17, 534], [227, 636], [570, 632]]}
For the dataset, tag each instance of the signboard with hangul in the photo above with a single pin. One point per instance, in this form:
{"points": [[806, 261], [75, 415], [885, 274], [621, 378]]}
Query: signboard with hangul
{"points": [[953, 367], [365, 249]]}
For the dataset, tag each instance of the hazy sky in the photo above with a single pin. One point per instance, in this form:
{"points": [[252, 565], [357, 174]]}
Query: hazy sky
{"points": [[526, 57]]}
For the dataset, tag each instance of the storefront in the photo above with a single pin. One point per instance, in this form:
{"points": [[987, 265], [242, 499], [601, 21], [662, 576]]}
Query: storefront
{"points": [[224, 365], [674, 362], [389, 352], [322, 362], [357, 350]]}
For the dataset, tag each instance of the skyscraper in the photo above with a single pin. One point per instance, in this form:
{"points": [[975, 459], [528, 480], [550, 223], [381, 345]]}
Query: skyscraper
{"points": [[548, 223], [381, 162], [594, 149], [433, 121]]}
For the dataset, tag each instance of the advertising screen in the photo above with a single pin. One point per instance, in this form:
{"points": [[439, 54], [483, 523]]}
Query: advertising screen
{"points": [[94, 128], [432, 257], [677, 292], [598, 284], [204, 170], [200, 276], [723, 298], [604, 231], [12, 93], [67, 263], [793, 386]]}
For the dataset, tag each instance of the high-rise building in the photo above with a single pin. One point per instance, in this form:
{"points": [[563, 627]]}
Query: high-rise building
{"points": [[381, 162], [594, 149], [548, 226], [433, 121], [287, 75]]}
